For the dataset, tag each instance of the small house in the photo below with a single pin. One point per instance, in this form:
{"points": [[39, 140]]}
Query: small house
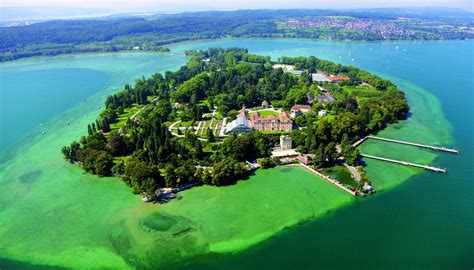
{"points": [[299, 109], [305, 159]]}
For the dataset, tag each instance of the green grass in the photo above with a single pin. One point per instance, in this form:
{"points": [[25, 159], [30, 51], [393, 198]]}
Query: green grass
{"points": [[275, 132], [122, 118], [205, 103], [185, 123], [150, 98], [266, 113], [361, 92]]}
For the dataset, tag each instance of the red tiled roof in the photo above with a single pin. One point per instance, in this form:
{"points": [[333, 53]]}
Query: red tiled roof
{"points": [[338, 78], [300, 107]]}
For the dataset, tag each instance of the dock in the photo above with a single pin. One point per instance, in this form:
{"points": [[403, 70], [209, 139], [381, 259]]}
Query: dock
{"points": [[431, 147], [430, 168]]}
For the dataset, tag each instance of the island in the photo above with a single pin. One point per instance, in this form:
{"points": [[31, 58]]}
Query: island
{"points": [[228, 112]]}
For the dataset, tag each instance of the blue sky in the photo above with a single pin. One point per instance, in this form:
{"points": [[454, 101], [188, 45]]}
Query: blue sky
{"points": [[239, 4]]}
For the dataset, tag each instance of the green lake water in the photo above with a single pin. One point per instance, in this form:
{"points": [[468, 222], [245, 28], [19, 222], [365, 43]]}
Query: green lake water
{"points": [[52, 214]]}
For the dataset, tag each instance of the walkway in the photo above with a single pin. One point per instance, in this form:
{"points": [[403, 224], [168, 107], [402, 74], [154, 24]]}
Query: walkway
{"points": [[435, 169], [329, 179], [354, 171], [135, 114], [435, 148]]}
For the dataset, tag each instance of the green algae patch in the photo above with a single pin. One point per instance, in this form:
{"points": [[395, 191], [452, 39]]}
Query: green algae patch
{"points": [[235, 217], [51, 213], [427, 126], [158, 222]]}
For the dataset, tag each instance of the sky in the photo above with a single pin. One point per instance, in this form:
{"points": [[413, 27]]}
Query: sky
{"points": [[186, 5]]}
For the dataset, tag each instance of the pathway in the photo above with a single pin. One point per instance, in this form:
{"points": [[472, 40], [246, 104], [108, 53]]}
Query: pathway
{"points": [[431, 168], [329, 179]]}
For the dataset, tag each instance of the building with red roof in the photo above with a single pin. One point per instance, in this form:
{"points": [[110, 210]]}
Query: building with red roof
{"points": [[299, 109], [334, 78], [272, 122]]}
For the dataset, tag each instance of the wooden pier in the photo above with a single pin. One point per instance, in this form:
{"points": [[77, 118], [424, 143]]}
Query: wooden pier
{"points": [[430, 168], [435, 148]]}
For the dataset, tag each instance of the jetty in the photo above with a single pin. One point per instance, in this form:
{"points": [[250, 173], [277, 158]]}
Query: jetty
{"points": [[431, 147], [430, 168], [435, 148]]}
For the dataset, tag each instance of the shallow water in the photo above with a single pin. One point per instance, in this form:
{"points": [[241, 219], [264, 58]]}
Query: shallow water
{"points": [[51, 213]]}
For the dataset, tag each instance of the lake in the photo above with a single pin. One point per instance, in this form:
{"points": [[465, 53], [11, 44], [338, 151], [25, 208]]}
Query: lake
{"points": [[52, 213]]}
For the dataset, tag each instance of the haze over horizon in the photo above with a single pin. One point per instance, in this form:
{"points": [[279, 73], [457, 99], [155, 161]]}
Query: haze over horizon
{"points": [[188, 5]]}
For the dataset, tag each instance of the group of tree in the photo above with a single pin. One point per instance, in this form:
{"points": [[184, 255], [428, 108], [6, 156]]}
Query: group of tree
{"points": [[116, 34], [146, 155]]}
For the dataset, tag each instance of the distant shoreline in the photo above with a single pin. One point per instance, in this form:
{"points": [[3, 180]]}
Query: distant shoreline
{"points": [[175, 44]]}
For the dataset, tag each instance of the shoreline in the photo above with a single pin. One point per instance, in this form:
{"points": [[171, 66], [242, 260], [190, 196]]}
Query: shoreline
{"points": [[91, 182], [175, 44]]}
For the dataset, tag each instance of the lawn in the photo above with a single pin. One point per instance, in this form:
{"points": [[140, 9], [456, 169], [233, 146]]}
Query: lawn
{"points": [[122, 118], [361, 92], [266, 113]]}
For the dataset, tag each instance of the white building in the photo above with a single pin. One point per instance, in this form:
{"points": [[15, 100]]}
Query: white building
{"points": [[322, 113], [239, 125], [284, 67], [285, 142], [320, 77]]}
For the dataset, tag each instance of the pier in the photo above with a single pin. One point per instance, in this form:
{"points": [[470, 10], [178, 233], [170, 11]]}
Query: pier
{"points": [[430, 168], [435, 148], [431, 147]]}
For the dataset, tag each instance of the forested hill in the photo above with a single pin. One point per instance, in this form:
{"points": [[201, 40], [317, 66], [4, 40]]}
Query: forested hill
{"points": [[150, 33]]}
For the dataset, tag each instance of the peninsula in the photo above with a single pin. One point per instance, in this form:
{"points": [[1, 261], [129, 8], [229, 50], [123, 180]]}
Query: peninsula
{"points": [[228, 112]]}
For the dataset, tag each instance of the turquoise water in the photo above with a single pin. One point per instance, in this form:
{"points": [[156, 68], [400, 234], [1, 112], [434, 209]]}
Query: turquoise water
{"points": [[425, 222], [34, 91]]}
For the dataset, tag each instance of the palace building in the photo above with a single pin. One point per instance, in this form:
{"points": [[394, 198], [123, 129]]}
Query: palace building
{"points": [[272, 122]]}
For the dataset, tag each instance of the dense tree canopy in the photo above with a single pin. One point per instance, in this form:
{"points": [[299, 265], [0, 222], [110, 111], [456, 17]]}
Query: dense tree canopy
{"points": [[147, 156]]}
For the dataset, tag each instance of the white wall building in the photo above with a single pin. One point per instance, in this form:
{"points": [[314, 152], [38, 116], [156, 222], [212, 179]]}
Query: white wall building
{"points": [[285, 142]]}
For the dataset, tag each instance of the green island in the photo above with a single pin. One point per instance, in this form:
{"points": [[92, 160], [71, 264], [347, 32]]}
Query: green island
{"points": [[227, 112]]}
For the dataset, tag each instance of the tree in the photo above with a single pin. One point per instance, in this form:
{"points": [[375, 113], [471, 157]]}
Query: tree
{"points": [[116, 144], [66, 150], [103, 163], [141, 176], [210, 135], [330, 152], [119, 168], [266, 162], [198, 153], [318, 160], [227, 172], [350, 154]]}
